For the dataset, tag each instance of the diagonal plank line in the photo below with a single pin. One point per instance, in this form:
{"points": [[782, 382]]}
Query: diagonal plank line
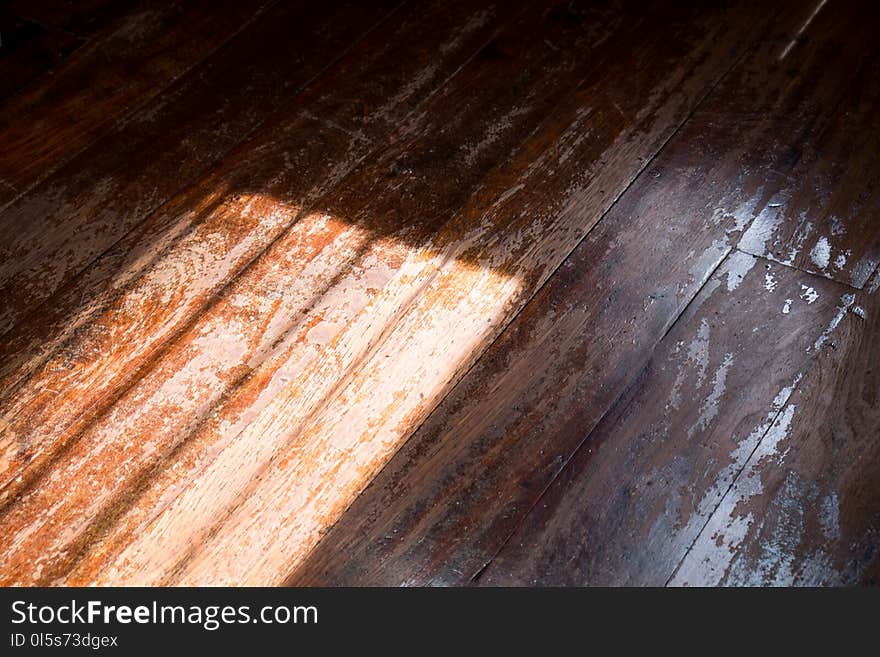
{"points": [[746, 51]]}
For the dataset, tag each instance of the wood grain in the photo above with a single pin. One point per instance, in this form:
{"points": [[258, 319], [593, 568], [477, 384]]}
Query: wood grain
{"points": [[54, 231], [444, 293], [829, 224], [293, 161], [295, 467], [628, 506], [454, 493], [805, 509], [105, 80]]}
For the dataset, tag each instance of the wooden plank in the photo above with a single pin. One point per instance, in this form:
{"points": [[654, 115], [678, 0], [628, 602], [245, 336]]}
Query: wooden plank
{"points": [[454, 493], [28, 50], [634, 497], [298, 463], [242, 207], [805, 509], [104, 81], [51, 233], [835, 233]]}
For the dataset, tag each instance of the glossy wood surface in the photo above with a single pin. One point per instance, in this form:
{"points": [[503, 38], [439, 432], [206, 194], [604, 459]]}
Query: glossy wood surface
{"points": [[440, 293]]}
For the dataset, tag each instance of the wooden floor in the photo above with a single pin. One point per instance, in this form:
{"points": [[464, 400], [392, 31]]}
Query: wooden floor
{"points": [[442, 292]]}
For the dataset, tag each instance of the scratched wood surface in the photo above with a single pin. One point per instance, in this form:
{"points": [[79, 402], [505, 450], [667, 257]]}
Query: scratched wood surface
{"points": [[805, 509], [275, 269], [449, 499], [52, 232]]}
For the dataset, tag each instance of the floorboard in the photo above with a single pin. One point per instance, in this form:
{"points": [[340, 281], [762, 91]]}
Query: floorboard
{"points": [[438, 292], [106, 79], [54, 231], [448, 501]]}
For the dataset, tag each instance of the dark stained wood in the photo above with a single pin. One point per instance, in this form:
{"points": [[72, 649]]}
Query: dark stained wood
{"points": [[628, 506], [328, 451], [805, 509], [449, 499], [28, 50], [440, 293], [51, 233], [409, 192], [829, 224], [106, 79]]}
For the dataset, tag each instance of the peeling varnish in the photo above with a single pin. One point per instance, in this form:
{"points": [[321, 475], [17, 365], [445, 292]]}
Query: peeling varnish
{"points": [[821, 253], [808, 293], [846, 301]]}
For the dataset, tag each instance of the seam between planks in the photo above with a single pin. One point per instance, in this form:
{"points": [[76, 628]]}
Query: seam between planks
{"points": [[779, 263], [770, 423], [746, 51]]}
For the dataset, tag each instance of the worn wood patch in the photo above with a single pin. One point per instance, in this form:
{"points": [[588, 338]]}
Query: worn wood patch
{"points": [[51, 233], [805, 509], [450, 498], [829, 224], [197, 246]]}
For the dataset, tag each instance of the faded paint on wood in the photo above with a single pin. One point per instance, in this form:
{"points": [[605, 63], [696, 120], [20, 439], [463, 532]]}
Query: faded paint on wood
{"points": [[628, 506], [59, 227], [829, 224], [805, 509], [450, 498]]}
